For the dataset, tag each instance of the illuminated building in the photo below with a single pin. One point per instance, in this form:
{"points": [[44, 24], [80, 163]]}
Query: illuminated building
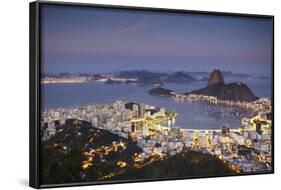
{"points": [[136, 110], [137, 125], [142, 110], [225, 131]]}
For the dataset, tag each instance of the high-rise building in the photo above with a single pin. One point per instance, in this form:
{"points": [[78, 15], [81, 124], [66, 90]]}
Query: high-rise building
{"points": [[137, 126], [118, 106], [225, 131], [94, 121], [162, 112], [115, 107], [258, 127], [136, 110], [142, 110]]}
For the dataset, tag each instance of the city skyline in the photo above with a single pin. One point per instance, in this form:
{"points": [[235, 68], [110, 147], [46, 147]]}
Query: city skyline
{"points": [[188, 93], [94, 40]]}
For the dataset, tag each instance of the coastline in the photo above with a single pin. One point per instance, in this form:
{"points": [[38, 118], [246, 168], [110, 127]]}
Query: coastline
{"points": [[173, 140]]}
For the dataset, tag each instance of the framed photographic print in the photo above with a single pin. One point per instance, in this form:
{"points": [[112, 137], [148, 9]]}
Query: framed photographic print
{"points": [[130, 94]]}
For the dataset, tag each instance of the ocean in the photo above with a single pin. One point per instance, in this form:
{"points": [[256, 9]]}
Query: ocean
{"points": [[191, 115]]}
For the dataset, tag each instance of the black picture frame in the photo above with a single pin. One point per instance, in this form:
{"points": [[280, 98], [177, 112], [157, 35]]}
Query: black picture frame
{"points": [[35, 86]]}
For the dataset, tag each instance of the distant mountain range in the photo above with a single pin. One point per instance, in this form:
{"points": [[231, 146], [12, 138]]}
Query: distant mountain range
{"points": [[149, 77], [179, 77], [175, 77], [236, 91]]}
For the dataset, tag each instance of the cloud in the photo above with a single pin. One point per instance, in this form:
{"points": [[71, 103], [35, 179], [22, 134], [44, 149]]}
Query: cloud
{"points": [[134, 27]]}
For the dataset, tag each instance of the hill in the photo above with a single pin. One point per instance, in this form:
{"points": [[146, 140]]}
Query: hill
{"points": [[236, 91], [182, 165], [80, 152], [159, 91], [179, 77], [215, 78]]}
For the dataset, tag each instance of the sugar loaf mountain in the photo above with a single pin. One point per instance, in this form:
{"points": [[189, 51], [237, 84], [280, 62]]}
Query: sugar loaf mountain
{"points": [[236, 91]]}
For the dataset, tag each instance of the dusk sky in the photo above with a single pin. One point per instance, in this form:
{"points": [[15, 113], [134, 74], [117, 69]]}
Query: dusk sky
{"points": [[95, 40]]}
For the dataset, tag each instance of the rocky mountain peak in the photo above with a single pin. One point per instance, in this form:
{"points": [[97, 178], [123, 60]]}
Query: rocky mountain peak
{"points": [[215, 77]]}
